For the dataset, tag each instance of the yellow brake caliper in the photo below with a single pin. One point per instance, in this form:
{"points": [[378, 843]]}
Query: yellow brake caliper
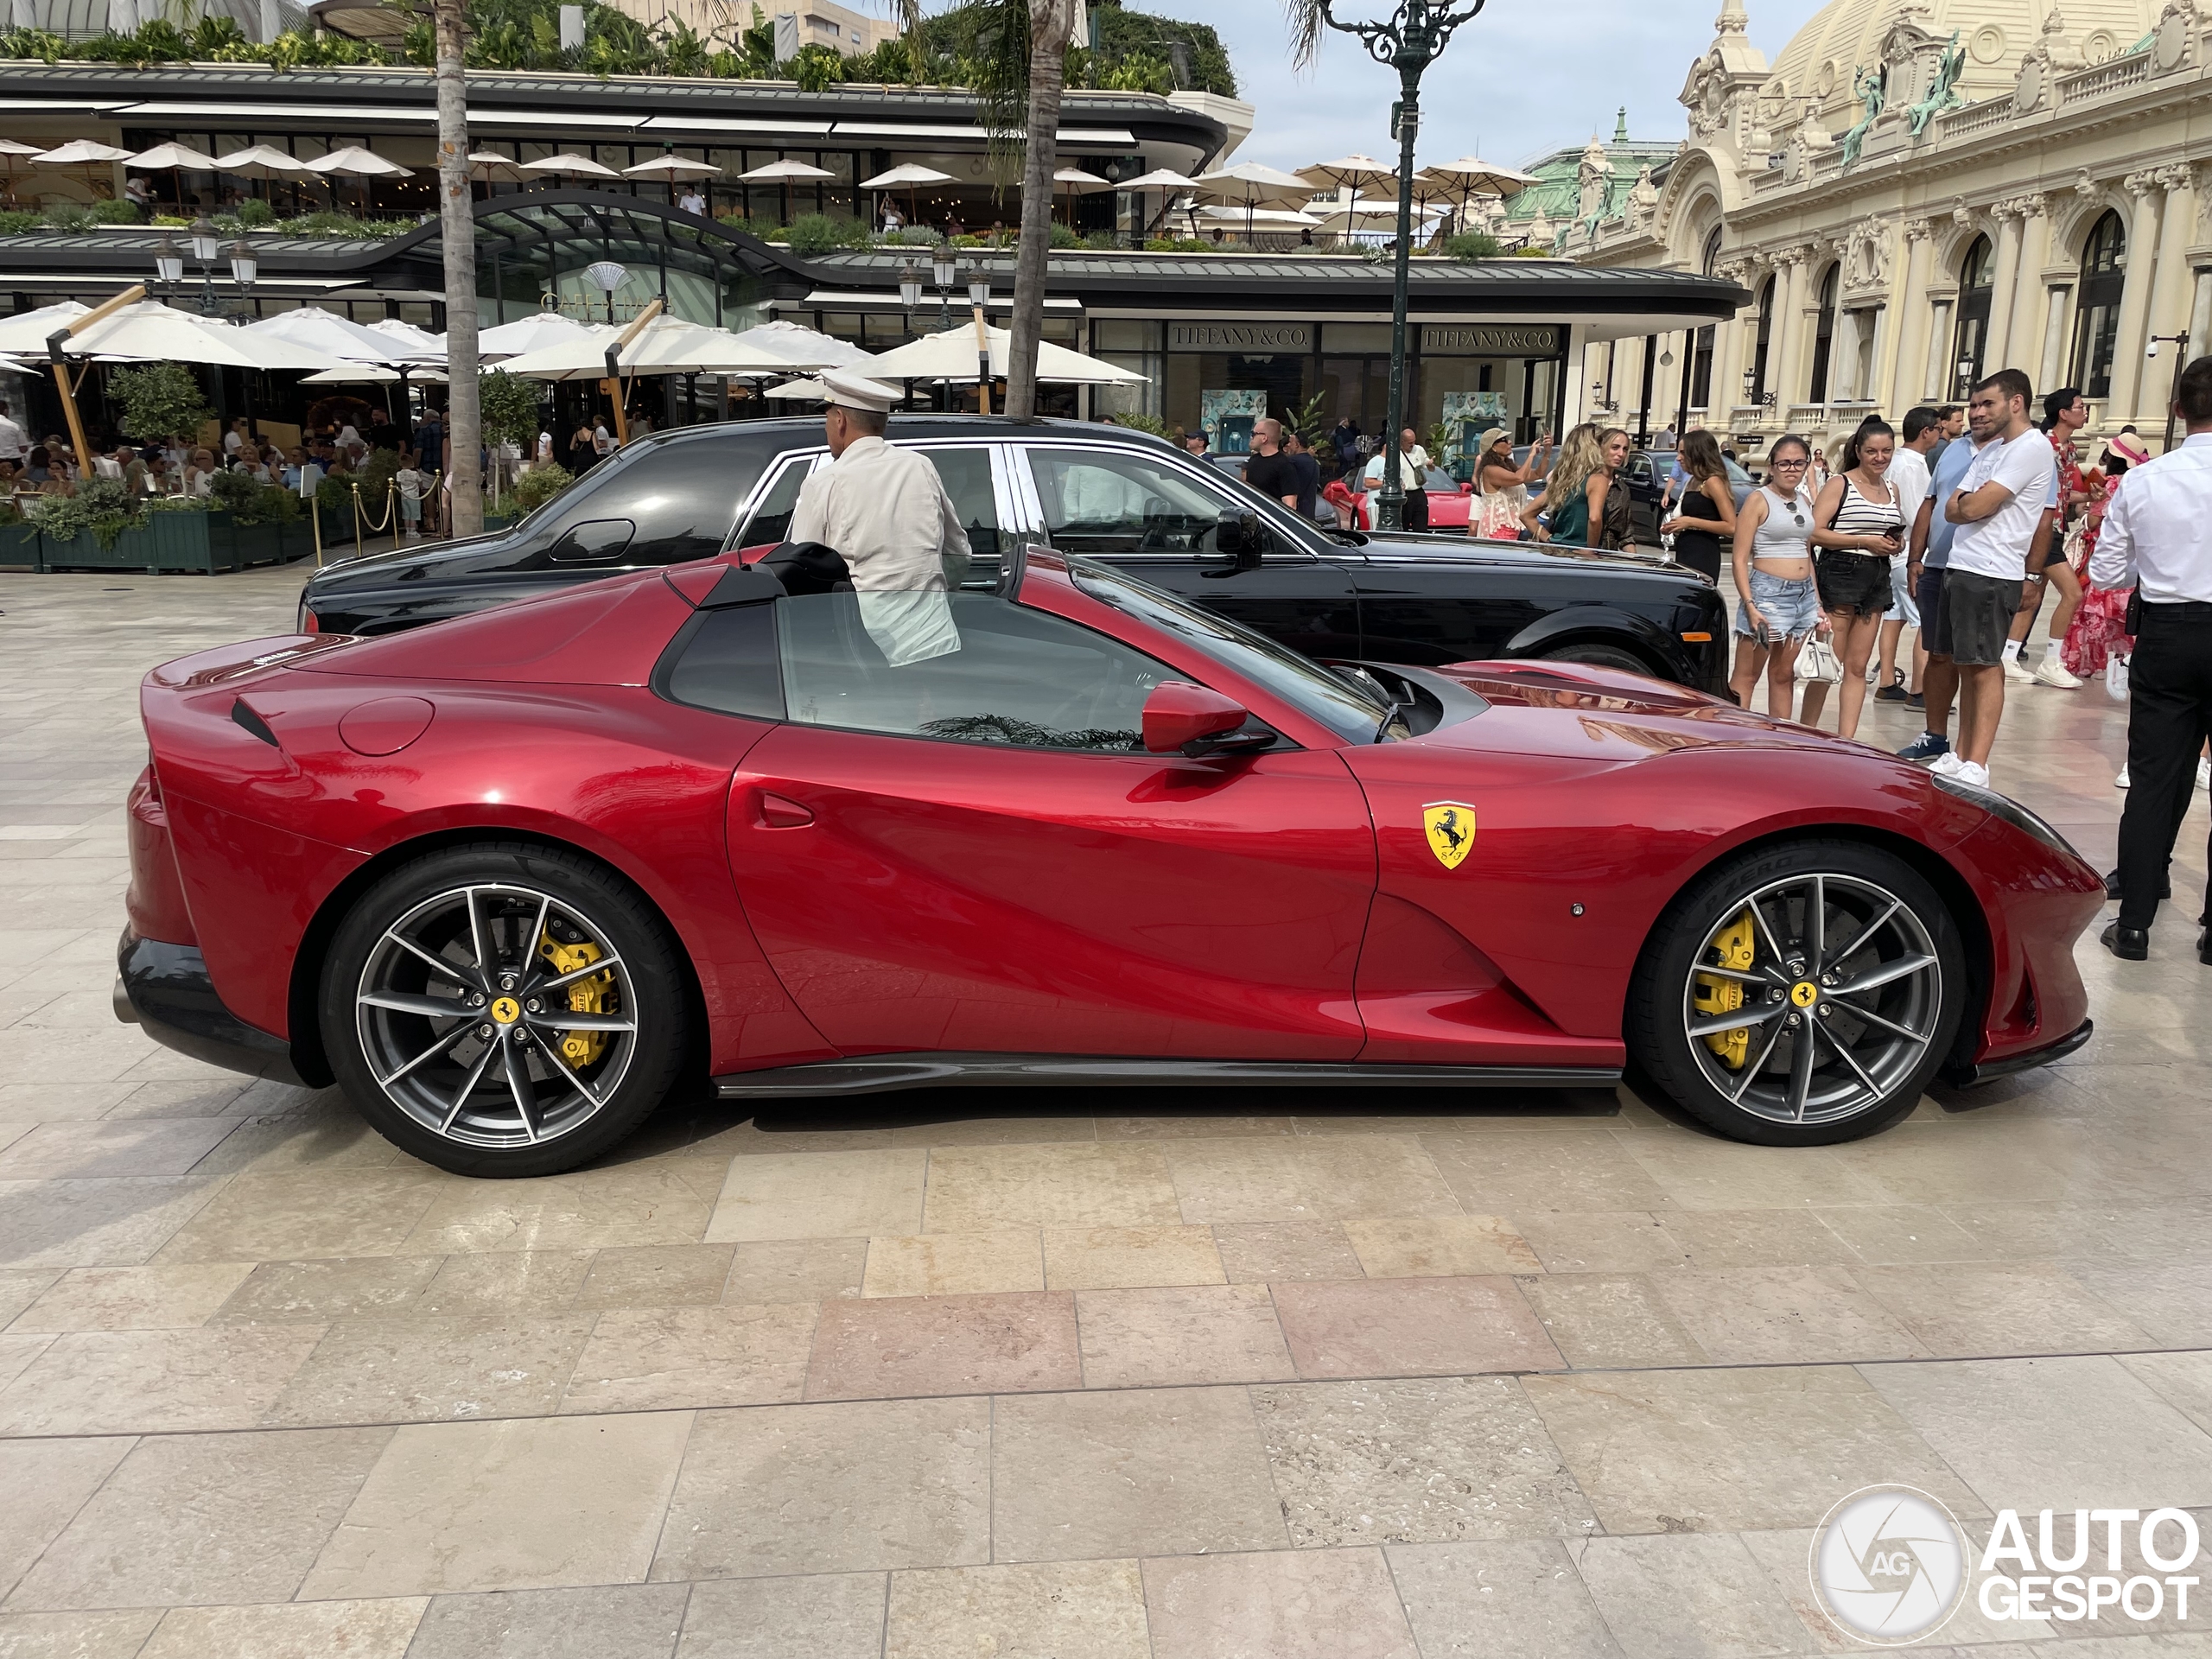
{"points": [[1719, 996], [586, 995]]}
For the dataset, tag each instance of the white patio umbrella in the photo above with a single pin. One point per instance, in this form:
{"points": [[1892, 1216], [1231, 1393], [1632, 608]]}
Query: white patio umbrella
{"points": [[354, 162], [1471, 175], [1355, 173], [11, 155], [1166, 181], [173, 159], [913, 175], [263, 162], [672, 167], [24, 334], [533, 333], [148, 331], [568, 165], [318, 330], [1079, 183], [665, 345], [79, 152], [1252, 185], [1258, 218], [800, 392], [952, 356], [429, 347], [802, 347], [489, 167], [783, 173]]}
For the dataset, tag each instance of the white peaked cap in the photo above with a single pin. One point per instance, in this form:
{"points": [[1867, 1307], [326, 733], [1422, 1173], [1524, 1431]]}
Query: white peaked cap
{"points": [[857, 391]]}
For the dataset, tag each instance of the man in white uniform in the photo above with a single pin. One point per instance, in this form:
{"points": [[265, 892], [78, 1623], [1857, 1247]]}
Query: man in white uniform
{"points": [[887, 512]]}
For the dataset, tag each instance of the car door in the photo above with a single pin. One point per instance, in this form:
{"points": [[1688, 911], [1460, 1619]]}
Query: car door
{"points": [[1164, 524], [968, 851]]}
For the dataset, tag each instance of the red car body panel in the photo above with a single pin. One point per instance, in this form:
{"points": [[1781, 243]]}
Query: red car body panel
{"points": [[843, 893]]}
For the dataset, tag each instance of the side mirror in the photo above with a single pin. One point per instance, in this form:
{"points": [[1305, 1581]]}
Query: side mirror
{"points": [[1181, 718], [593, 541], [1239, 534]]}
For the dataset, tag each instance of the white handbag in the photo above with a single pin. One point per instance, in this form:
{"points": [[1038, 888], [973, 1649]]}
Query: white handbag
{"points": [[1818, 661], [2116, 677]]}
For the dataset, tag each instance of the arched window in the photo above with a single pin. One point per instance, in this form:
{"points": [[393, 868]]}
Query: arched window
{"points": [[1824, 335], [2096, 328], [1701, 364], [1977, 276], [1762, 338]]}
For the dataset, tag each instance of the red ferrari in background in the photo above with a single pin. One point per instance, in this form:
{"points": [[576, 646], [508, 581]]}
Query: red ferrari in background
{"points": [[504, 877]]}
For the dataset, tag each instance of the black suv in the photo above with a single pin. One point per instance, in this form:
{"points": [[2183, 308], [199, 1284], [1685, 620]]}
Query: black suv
{"points": [[1104, 491]]}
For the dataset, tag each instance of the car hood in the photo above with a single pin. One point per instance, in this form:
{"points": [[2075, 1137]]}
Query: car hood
{"points": [[375, 570], [1573, 711]]}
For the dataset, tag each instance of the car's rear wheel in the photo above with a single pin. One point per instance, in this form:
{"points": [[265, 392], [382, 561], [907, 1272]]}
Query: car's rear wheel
{"points": [[1601, 657], [504, 1010], [1800, 995]]}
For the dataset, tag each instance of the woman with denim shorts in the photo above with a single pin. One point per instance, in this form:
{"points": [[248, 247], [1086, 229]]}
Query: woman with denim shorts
{"points": [[1774, 577]]}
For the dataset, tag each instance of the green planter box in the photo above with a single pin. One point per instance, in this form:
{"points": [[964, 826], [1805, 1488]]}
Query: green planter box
{"points": [[204, 543], [19, 544]]}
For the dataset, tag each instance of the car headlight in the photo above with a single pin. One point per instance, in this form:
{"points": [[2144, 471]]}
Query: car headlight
{"points": [[2006, 807]]}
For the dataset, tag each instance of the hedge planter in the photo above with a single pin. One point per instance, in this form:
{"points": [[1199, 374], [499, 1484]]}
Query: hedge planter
{"points": [[19, 545], [206, 544]]}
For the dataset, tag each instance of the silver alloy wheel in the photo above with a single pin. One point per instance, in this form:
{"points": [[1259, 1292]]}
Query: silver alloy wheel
{"points": [[496, 1015], [1814, 998]]}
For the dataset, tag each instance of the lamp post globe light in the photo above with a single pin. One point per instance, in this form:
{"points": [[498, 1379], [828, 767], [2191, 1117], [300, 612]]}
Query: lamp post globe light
{"points": [[169, 265], [1413, 37], [206, 244], [607, 276], [244, 268], [947, 271]]}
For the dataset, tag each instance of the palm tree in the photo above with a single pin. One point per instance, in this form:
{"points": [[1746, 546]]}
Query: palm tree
{"points": [[1051, 29], [457, 225]]}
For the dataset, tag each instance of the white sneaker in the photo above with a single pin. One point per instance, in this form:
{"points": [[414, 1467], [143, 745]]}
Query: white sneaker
{"points": [[2016, 674], [1947, 764], [2204, 772], [1970, 773], [2121, 782], [2051, 671]]}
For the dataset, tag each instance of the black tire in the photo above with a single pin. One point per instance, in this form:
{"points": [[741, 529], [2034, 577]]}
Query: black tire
{"points": [[1601, 657], [572, 1091], [1873, 1051]]}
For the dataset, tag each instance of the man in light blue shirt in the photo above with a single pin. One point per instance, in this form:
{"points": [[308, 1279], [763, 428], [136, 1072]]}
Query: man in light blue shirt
{"points": [[1930, 556]]}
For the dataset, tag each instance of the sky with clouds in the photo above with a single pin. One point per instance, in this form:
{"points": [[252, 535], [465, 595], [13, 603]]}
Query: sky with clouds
{"points": [[1525, 77]]}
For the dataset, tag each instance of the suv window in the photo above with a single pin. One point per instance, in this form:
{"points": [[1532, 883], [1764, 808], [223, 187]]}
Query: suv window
{"points": [[679, 494], [770, 526], [994, 671], [1101, 501], [966, 473]]}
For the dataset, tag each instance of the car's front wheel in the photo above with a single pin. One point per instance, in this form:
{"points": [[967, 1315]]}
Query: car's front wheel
{"points": [[1801, 994], [503, 1009]]}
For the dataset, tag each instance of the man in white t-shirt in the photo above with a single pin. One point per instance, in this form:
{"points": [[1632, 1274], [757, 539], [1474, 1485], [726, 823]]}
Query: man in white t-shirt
{"points": [[1923, 430], [1999, 507], [693, 202], [13, 441]]}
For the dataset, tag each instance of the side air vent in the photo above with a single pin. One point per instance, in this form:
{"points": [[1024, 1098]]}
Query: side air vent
{"points": [[244, 717]]}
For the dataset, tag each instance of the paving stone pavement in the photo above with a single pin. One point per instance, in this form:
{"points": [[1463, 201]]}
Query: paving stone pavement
{"points": [[1139, 1374]]}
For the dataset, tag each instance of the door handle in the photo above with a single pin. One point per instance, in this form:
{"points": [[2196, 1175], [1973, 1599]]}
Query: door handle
{"points": [[775, 813]]}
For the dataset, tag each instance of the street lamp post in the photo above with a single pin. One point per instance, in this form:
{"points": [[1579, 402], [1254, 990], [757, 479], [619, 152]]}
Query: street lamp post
{"points": [[947, 263], [244, 267], [909, 291], [2180, 343], [206, 244], [168, 266], [1414, 38]]}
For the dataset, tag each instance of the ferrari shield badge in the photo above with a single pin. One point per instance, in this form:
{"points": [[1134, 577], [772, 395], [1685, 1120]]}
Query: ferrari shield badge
{"points": [[1450, 826]]}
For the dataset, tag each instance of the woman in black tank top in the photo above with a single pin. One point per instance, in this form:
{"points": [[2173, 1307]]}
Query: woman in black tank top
{"points": [[1707, 499]]}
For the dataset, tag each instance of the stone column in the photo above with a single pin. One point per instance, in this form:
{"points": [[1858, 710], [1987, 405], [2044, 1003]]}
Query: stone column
{"points": [[2200, 317], [1731, 349], [1785, 350], [2172, 294], [2135, 299], [2053, 338], [2003, 281], [1908, 333], [2029, 302]]}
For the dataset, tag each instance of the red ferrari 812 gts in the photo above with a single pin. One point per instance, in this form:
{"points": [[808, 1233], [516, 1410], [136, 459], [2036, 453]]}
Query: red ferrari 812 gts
{"points": [[503, 878]]}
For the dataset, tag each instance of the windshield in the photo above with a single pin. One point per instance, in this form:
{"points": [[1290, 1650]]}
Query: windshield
{"points": [[1346, 708]]}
